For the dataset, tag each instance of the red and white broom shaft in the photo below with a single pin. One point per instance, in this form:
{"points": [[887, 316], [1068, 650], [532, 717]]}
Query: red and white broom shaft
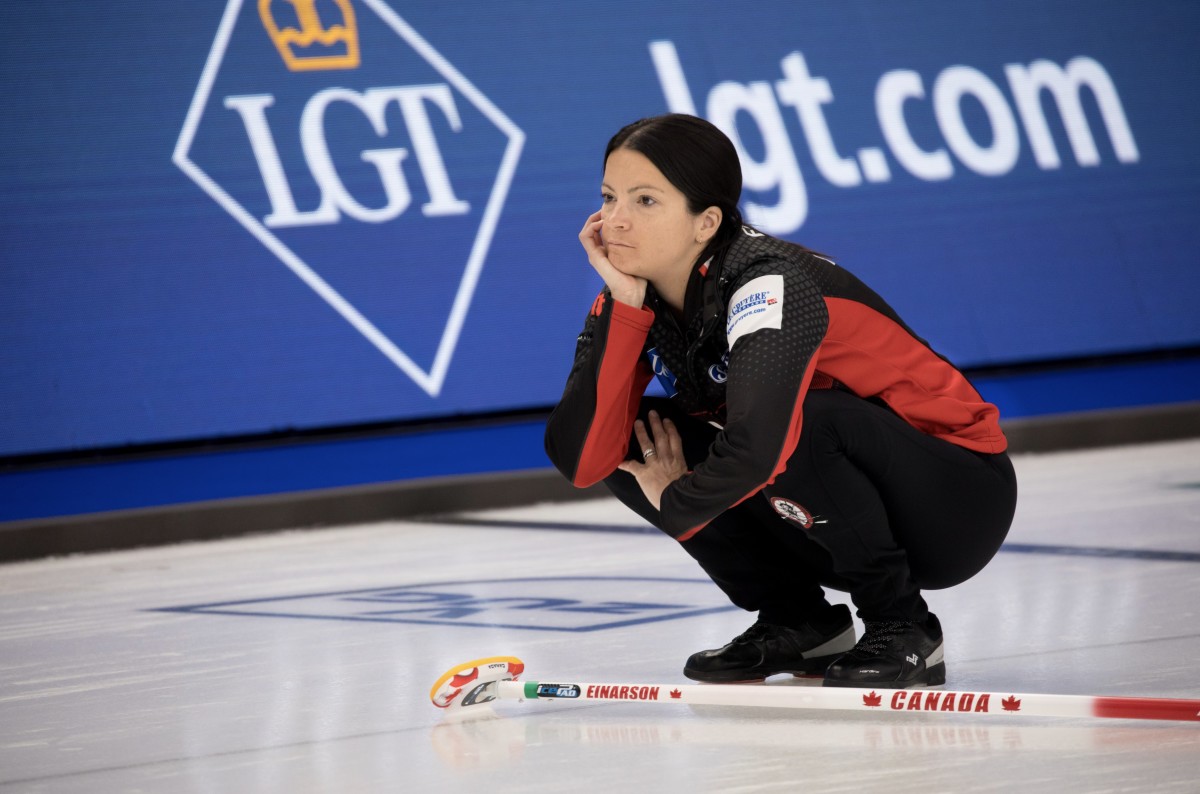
{"points": [[1000, 704], [484, 680]]}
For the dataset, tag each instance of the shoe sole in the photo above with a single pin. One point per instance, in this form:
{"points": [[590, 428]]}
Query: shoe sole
{"points": [[933, 676]]}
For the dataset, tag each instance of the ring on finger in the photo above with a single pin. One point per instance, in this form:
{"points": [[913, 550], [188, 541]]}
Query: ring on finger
{"points": [[647, 452]]}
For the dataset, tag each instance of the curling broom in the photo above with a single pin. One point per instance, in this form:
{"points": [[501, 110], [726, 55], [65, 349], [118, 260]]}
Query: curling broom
{"points": [[495, 678]]}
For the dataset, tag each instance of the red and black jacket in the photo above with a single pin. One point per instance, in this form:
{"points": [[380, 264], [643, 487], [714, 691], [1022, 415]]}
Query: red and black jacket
{"points": [[824, 329]]}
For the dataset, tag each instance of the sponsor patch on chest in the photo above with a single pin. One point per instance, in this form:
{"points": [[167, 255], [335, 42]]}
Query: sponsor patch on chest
{"points": [[757, 305]]}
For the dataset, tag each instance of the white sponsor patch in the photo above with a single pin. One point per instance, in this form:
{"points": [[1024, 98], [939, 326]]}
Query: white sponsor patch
{"points": [[757, 305]]}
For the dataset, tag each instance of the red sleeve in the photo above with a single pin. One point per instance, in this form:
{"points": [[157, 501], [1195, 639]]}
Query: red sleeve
{"points": [[587, 435]]}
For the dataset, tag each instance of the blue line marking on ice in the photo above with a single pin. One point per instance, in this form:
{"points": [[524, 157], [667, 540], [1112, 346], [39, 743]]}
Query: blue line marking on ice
{"points": [[436, 603], [1161, 555]]}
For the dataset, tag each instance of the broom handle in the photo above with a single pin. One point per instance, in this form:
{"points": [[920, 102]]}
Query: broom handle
{"points": [[999, 704]]}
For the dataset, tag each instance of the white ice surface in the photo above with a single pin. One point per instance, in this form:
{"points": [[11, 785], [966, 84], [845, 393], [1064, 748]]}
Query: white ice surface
{"points": [[297, 693]]}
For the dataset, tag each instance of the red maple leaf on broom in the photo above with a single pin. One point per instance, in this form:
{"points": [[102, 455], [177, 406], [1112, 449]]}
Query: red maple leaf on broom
{"points": [[872, 699], [1011, 703]]}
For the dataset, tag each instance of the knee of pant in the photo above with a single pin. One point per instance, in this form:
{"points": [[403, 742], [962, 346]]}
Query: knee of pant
{"points": [[624, 486]]}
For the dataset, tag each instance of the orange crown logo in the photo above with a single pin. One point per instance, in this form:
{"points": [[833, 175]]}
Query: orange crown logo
{"points": [[312, 46]]}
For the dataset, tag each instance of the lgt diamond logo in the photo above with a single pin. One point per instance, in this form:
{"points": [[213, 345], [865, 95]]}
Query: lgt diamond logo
{"points": [[362, 159]]}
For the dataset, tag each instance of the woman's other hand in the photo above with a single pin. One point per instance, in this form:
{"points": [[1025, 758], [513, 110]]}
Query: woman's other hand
{"points": [[662, 453]]}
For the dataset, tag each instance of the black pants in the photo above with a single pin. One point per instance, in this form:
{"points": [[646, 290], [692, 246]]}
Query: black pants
{"points": [[868, 505]]}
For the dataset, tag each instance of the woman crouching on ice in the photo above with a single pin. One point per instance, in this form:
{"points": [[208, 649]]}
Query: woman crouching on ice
{"points": [[809, 438]]}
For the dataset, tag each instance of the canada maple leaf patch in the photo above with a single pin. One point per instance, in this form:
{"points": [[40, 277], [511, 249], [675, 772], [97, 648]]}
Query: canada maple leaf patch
{"points": [[871, 699], [1011, 703]]}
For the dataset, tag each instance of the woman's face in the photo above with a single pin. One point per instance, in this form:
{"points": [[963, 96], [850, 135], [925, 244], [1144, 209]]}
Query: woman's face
{"points": [[647, 227]]}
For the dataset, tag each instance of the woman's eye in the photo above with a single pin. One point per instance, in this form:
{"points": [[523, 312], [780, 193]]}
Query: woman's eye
{"points": [[646, 201]]}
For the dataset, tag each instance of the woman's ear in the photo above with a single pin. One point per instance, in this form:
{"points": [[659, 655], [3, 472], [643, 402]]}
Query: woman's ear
{"points": [[708, 223]]}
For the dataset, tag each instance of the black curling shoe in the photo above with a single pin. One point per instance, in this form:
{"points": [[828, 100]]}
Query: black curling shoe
{"points": [[893, 654], [765, 649]]}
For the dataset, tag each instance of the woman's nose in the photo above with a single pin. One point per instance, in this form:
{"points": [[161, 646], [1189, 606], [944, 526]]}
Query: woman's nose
{"points": [[617, 216]]}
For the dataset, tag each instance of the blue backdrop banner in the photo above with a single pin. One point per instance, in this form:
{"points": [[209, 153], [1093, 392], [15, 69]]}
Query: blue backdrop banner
{"points": [[253, 216]]}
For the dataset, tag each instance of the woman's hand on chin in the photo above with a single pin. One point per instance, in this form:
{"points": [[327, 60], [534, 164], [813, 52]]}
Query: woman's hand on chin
{"points": [[625, 288]]}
